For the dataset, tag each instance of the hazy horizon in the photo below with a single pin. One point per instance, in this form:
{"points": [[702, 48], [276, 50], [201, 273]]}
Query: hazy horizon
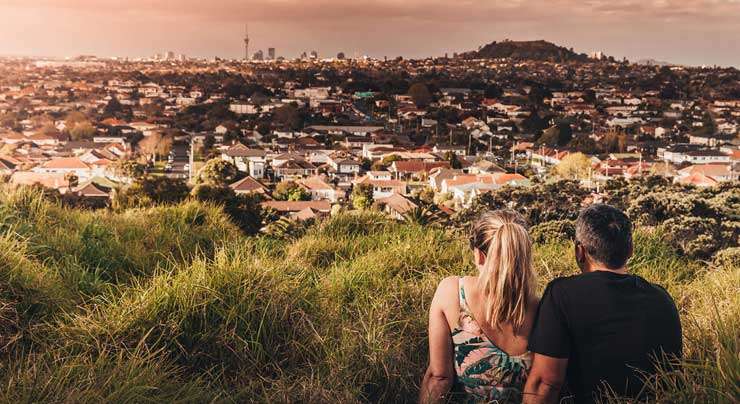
{"points": [[692, 32]]}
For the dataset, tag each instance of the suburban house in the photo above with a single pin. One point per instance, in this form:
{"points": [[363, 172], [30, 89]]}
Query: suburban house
{"points": [[395, 205], [74, 165], [251, 161], [382, 183], [294, 169], [693, 154], [464, 188], [249, 185], [417, 169], [717, 172], [321, 189], [300, 210]]}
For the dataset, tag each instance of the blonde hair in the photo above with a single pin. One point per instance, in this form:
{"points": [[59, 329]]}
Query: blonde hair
{"points": [[507, 278]]}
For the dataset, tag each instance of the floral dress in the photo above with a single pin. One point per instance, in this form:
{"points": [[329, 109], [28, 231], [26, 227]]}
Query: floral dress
{"points": [[484, 371]]}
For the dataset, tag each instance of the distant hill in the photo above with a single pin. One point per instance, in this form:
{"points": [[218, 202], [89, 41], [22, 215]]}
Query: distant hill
{"points": [[653, 62], [526, 50]]}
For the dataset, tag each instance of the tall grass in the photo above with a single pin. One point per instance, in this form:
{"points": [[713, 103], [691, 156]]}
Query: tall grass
{"points": [[171, 304]]}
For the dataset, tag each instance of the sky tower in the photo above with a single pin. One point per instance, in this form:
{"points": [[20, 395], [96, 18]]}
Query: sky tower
{"points": [[246, 42]]}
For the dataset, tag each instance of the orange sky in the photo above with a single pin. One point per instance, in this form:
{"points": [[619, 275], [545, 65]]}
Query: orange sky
{"points": [[681, 31]]}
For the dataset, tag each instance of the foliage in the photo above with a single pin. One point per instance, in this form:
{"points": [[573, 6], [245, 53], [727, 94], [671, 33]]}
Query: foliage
{"points": [[362, 196], [127, 168], [701, 237], [557, 135], [217, 172], [156, 145], [290, 191], [243, 210], [151, 190], [453, 159], [174, 304], [575, 166], [419, 92], [539, 203], [553, 231], [82, 131]]}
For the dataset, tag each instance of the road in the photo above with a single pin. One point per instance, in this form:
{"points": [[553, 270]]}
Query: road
{"points": [[181, 158]]}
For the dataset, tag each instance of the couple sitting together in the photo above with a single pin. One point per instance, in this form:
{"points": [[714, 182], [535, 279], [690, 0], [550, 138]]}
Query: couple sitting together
{"points": [[602, 332]]}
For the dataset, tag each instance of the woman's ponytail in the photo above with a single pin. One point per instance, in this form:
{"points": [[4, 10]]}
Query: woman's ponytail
{"points": [[507, 278]]}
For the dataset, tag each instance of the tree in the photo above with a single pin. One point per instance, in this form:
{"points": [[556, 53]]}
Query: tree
{"points": [[288, 117], [584, 144], [244, 210], [557, 135], [113, 107], [362, 196], [454, 161], [290, 191], [419, 92], [156, 145], [128, 169], [72, 179], [574, 166], [493, 91], [217, 172], [82, 131], [73, 118], [151, 190], [614, 142]]}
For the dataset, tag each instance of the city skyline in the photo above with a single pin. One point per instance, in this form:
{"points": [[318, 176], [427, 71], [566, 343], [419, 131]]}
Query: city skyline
{"points": [[695, 32]]}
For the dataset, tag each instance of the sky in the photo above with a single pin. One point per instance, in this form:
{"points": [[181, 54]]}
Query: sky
{"points": [[694, 32]]}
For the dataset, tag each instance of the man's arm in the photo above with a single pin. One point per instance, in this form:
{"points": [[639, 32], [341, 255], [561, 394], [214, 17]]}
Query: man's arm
{"points": [[440, 374], [545, 380]]}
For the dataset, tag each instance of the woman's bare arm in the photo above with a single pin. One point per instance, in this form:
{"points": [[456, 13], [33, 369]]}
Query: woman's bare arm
{"points": [[440, 374]]}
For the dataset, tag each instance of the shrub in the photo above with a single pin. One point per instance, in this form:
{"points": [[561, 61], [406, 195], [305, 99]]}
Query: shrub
{"points": [[244, 210], [699, 237], [728, 258], [556, 230]]}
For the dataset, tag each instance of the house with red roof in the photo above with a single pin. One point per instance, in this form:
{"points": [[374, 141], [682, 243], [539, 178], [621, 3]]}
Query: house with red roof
{"points": [[410, 169], [717, 172], [249, 185]]}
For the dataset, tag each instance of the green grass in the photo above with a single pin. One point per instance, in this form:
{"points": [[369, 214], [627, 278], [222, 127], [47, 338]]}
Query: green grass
{"points": [[172, 304]]}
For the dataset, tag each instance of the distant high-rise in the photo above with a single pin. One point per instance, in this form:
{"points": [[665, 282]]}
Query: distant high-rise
{"points": [[271, 53], [314, 55], [246, 42], [259, 55]]}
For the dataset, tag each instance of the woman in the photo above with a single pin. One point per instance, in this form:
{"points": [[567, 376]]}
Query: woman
{"points": [[478, 326]]}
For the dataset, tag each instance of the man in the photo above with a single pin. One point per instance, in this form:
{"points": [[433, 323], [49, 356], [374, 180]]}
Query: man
{"points": [[601, 331]]}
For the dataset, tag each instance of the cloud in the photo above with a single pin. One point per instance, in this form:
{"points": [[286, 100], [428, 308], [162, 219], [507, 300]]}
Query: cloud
{"points": [[694, 31], [313, 11]]}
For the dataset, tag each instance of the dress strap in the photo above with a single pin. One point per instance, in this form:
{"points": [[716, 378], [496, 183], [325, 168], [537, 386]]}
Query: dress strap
{"points": [[463, 302]]}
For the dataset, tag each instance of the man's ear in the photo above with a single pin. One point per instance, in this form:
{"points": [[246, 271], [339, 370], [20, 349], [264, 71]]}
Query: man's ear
{"points": [[581, 256]]}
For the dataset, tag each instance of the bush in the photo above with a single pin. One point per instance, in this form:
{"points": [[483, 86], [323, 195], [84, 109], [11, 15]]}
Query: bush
{"points": [[699, 237], [149, 191], [244, 210], [556, 230], [728, 258], [175, 304]]}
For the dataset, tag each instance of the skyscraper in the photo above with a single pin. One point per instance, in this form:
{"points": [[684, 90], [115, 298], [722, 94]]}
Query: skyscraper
{"points": [[246, 42], [271, 53]]}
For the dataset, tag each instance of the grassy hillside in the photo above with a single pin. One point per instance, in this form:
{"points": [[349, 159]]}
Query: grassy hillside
{"points": [[172, 304]]}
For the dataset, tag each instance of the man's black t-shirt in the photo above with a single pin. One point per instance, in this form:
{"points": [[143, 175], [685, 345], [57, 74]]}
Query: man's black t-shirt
{"points": [[608, 325]]}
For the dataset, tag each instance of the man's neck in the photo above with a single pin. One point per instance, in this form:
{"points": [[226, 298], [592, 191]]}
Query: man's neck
{"points": [[621, 271]]}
